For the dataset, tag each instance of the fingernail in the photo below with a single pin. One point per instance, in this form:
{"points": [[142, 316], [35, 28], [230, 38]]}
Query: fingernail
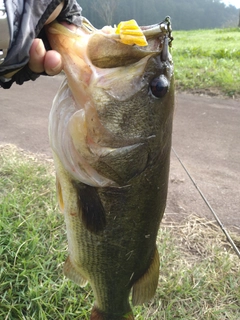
{"points": [[58, 67], [40, 50]]}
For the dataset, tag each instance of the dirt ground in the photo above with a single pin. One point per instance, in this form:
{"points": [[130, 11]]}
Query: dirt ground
{"points": [[206, 136]]}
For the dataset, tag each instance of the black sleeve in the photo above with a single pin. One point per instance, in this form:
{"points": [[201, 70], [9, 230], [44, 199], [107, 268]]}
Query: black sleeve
{"points": [[26, 20]]}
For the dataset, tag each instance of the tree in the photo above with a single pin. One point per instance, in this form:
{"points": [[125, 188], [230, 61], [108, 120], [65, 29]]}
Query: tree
{"points": [[105, 9], [186, 15]]}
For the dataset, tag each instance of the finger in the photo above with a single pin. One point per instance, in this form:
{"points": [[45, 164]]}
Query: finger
{"points": [[53, 63], [37, 54], [55, 13]]}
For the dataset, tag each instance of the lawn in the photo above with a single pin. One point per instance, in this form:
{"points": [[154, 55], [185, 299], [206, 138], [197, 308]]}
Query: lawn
{"points": [[208, 61], [199, 275]]}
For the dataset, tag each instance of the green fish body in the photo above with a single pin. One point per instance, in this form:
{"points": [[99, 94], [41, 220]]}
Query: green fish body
{"points": [[110, 131]]}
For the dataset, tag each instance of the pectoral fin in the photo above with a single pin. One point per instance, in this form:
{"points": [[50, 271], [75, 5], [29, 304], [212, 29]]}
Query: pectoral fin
{"points": [[73, 274], [59, 194], [144, 289]]}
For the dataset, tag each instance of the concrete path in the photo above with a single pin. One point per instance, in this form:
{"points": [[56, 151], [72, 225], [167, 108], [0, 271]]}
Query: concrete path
{"points": [[206, 136]]}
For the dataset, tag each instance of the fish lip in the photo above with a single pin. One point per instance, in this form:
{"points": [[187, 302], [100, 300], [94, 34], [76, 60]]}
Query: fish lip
{"points": [[162, 29], [159, 39], [159, 31], [70, 27], [85, 25]]}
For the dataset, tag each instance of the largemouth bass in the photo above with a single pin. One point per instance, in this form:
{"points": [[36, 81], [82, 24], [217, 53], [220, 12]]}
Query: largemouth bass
{"points": [[110, 131]]}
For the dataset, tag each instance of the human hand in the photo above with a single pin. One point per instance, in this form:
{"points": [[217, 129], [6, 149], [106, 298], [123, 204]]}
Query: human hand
{"points": [[27, 57], [48, 61], [42, 60]]}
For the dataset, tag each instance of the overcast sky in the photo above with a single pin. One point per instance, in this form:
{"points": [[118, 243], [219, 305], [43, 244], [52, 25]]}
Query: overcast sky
{"points": [[235, 3]]}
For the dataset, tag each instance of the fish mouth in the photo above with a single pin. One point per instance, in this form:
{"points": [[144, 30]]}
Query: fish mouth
{"points": [[93, 57], [106, 49], [161, 29]]}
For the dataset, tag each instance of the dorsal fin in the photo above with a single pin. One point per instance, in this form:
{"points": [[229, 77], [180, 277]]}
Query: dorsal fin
{"points": [[91, 208]]}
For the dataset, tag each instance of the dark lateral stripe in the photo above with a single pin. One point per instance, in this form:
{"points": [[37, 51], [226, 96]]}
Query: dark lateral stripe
{"points": [[89, 203]]}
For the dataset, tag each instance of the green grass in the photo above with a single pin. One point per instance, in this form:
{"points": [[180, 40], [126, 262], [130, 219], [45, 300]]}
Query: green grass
{"points": [[33, 245], [199, 276], [208, 61]]}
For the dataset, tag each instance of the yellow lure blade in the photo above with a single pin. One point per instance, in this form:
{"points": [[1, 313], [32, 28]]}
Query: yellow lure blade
{"points": [[130, 33]]}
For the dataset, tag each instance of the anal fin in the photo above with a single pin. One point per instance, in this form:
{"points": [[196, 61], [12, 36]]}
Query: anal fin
{"points": [[145, 287], [73, 274]]}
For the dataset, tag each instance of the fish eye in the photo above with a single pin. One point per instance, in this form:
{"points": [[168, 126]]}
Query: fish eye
{"points": [[159, 86]]}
